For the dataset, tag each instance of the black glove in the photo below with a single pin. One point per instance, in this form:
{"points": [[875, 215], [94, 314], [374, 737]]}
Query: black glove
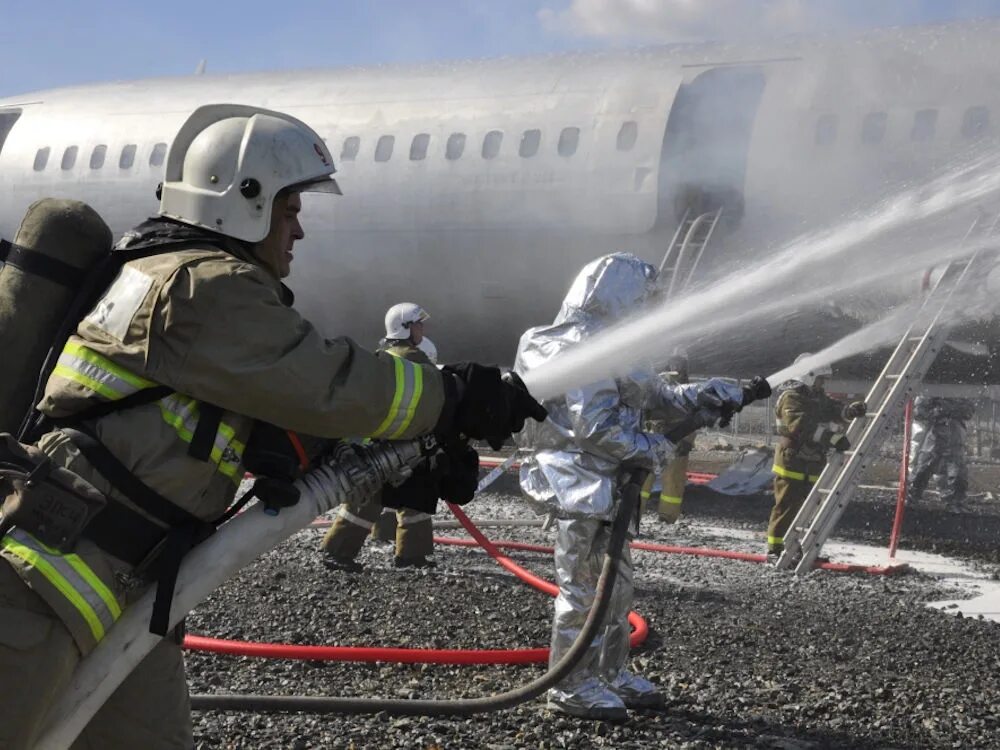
{"points": [[275, 494], [840, 443], [459, 484], [480, 404], [420, 492], [855, 409]]}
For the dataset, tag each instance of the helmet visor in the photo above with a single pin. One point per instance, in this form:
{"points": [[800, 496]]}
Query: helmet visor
{"points": [[324, 184]]}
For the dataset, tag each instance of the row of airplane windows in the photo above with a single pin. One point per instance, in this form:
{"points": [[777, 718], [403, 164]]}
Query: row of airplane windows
{"points": [[975, 123], [530, 142]]}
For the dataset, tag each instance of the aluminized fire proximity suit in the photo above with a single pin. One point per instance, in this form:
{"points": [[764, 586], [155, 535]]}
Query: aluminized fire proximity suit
{"points": [[937, 446], [579, 451]]}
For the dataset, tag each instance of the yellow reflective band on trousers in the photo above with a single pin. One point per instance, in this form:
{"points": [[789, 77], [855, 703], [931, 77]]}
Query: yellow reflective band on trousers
{"points": [[645, 494], [181, 413], [98, 374], [409, 389], [670, 499], [781, 471], [772, 540], [71, 577]]}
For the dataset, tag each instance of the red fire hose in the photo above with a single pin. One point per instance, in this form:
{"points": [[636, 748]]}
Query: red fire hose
{"points": [[416, 655]]}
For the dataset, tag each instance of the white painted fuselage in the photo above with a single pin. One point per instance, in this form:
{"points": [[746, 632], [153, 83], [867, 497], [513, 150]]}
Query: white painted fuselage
{"points": [[477, 189]]}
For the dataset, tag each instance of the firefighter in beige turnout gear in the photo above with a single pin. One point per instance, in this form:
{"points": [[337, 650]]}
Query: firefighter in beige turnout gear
{"points": [[413, 529], [207, 321], [673, 478], [809, 423]]}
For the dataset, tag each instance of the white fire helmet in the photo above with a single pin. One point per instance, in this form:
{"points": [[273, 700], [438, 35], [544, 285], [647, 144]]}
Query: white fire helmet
{"points": [[428, 348], [399, 318], [820, 371], [229, 161]]}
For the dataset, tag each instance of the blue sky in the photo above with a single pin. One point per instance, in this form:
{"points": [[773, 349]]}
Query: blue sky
{"points": [[59, 42]]}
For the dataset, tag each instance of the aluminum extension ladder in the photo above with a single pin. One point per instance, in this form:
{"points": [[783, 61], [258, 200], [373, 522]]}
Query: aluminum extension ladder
{"points": [[899, 379], [686, 248]]}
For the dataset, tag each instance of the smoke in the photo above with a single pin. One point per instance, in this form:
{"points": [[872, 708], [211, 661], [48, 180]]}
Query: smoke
{"points": [[691, 20]]}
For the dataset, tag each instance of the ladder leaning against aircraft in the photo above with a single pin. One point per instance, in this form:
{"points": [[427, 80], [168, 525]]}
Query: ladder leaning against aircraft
{"points": [[681, 260], [898, 381]]}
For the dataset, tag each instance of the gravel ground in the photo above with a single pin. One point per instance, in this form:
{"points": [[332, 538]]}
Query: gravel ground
{"points": [[748, 656]]}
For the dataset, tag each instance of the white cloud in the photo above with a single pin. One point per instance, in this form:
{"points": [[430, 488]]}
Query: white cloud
{"points": [[685, 20]]}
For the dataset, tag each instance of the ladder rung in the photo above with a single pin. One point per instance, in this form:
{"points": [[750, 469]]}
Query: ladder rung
{"points": [[914, 339], [821, 491], [893, 377]]}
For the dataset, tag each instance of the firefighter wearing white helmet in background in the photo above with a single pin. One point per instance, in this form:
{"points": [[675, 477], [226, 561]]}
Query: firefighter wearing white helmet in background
{"points": [[673, 478], [189, 353], [414, 535], [809, 424]]}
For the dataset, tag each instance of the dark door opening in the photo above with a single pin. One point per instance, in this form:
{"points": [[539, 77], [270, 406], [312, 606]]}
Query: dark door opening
{"points": [[706, 144], [7, 120]]}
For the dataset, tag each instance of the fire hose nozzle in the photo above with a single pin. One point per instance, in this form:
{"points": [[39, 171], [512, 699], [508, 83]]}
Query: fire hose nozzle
{"points": [[758, 388]]}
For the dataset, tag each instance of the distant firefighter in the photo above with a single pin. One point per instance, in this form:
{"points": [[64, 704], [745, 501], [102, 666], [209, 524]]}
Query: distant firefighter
{"points": [[404, 338], [592, 433], [937, 447], [673, 478], [809, 424]]}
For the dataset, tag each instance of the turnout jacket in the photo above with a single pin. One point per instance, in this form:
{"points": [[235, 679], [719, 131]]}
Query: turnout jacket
{"points": [[806, 420], [206, 320]]}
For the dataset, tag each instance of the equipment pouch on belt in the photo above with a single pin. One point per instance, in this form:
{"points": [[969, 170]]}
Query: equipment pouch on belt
{"points": [[49, 502]]}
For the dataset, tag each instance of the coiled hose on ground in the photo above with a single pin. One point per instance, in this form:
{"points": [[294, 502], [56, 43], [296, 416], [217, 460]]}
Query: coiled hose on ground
{"points": [[462, 706]]}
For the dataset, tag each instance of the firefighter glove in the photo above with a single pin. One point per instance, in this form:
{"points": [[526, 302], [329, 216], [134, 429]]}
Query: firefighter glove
{"points": [[855, 409], [460, 482], [481, 404], [840, 442]]}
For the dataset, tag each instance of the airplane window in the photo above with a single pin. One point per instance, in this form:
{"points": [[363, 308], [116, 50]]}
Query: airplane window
{"points": [[383, 149], [157, 155], [97, 156], [924, 124], [41, 158], [569, 138], [349, 151], [873, 127], [418, 148], [826, 130], [455, 146], [69, 157], [627, 135], [529, 143], [976, 122], [127, 158], [491, 143]]}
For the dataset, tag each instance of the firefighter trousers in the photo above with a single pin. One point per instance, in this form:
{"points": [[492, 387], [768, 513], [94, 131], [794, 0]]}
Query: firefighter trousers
{"points": [[150, 710], [354, 522], [789, 495]]}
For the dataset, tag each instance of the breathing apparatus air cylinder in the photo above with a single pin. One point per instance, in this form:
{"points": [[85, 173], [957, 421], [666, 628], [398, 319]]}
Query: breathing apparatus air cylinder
{"points": [[57, 243]]}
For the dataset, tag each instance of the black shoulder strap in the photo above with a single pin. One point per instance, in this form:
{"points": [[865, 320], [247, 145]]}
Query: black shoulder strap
{"points": [[203, 439], [109, 467], [94, 284], [39, 264]]}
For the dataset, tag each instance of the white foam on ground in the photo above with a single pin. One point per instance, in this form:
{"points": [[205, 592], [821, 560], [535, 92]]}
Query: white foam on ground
{"points": [[984, 592]]}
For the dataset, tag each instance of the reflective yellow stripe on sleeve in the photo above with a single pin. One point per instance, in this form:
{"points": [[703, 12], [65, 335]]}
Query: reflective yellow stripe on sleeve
{"points": [[409, 389], [99, 374]]}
